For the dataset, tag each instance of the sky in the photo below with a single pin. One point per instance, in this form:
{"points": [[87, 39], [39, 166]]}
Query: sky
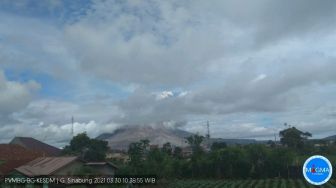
{"points": [[246, 67]]}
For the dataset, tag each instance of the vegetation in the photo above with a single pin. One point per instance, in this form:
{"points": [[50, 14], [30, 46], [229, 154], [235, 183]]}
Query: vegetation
{"points": [[263, 161], [255, 165], [88, 149], [249, 183], [293, 137]]}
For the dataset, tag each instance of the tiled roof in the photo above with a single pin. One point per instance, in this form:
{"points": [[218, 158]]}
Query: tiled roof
{"points": [[45, 165], [10, 165], [16, 152], [36, 145], [100, 164], [13, 156]]}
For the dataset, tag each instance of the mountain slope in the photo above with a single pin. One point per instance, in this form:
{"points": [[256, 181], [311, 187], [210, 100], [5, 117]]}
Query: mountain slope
{"points": [[330, 138], [122, 137]]}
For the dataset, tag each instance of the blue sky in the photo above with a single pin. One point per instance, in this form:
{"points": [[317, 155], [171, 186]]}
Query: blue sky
{"points": [[246, 67]]}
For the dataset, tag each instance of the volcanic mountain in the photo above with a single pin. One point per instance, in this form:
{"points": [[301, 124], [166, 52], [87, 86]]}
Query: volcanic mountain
{"points": [[330, 138], [158, 135]]}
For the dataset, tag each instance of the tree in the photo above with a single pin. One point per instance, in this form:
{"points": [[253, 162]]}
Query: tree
{"points": [[159, 162], [218, 145], [259, 160], [79, 143], [195, 142], [88, 149], [293, 138], [96, 150], [271, 143], [144, 143], [137, 152], [231, 162], [197, 159], [281, 159], [178, 152], [167, 148]]}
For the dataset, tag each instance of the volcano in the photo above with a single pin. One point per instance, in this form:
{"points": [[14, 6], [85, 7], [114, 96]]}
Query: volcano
{"points": [[157, 135]]}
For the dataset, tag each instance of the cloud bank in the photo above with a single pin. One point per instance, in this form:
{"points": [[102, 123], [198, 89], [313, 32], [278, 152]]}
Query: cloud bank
{"points": [[240, 65]]}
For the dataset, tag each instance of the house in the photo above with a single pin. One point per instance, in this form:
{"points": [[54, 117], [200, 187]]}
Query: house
{"points": [[36, 145], [153, 147], [187, 152], [117, 156], [102, 168], [13, 156], [63, 166], [45, 166]]}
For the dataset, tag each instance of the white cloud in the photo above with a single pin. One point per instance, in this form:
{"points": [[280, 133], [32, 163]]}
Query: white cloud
{"points": [[15, 96], [55, 134], [259, 77], [164, 94], [212, 60], [183, 93]]}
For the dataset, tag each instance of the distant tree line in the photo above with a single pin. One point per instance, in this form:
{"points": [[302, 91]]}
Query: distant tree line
{"points": [[269, 160], [249, 161]]}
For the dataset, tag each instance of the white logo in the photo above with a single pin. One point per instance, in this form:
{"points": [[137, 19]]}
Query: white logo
{"points": [[317, 170]]}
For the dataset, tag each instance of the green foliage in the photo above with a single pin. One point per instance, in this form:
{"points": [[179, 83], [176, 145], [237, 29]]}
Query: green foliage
{"points": [[84, 170], [231, 162], [260, 160], [159, 163], [218, 146], [195, 142], [137, 152], [257, 161], [246, 183], [251, 161], [293, 137], [167, 148], [79, 142], [177, 152], [96, 150], [280, 160], [88, 149]]}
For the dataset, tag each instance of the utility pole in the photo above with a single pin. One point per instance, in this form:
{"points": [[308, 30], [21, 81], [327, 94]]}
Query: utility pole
{"points": [[208, 135], [72, 126], [208, 130]]}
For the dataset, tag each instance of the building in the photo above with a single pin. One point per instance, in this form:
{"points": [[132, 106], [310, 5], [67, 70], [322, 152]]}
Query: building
{"points": [[117, 156], [187, 152], [13, 156], [37, 146], [102, 168], [46, 166], [63, 166], [153, 147]]}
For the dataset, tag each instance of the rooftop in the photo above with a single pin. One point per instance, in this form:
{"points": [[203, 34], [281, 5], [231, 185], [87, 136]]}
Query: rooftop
{"points": [[36, 145], [13, 156], [17, 152], [45, 165]]}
